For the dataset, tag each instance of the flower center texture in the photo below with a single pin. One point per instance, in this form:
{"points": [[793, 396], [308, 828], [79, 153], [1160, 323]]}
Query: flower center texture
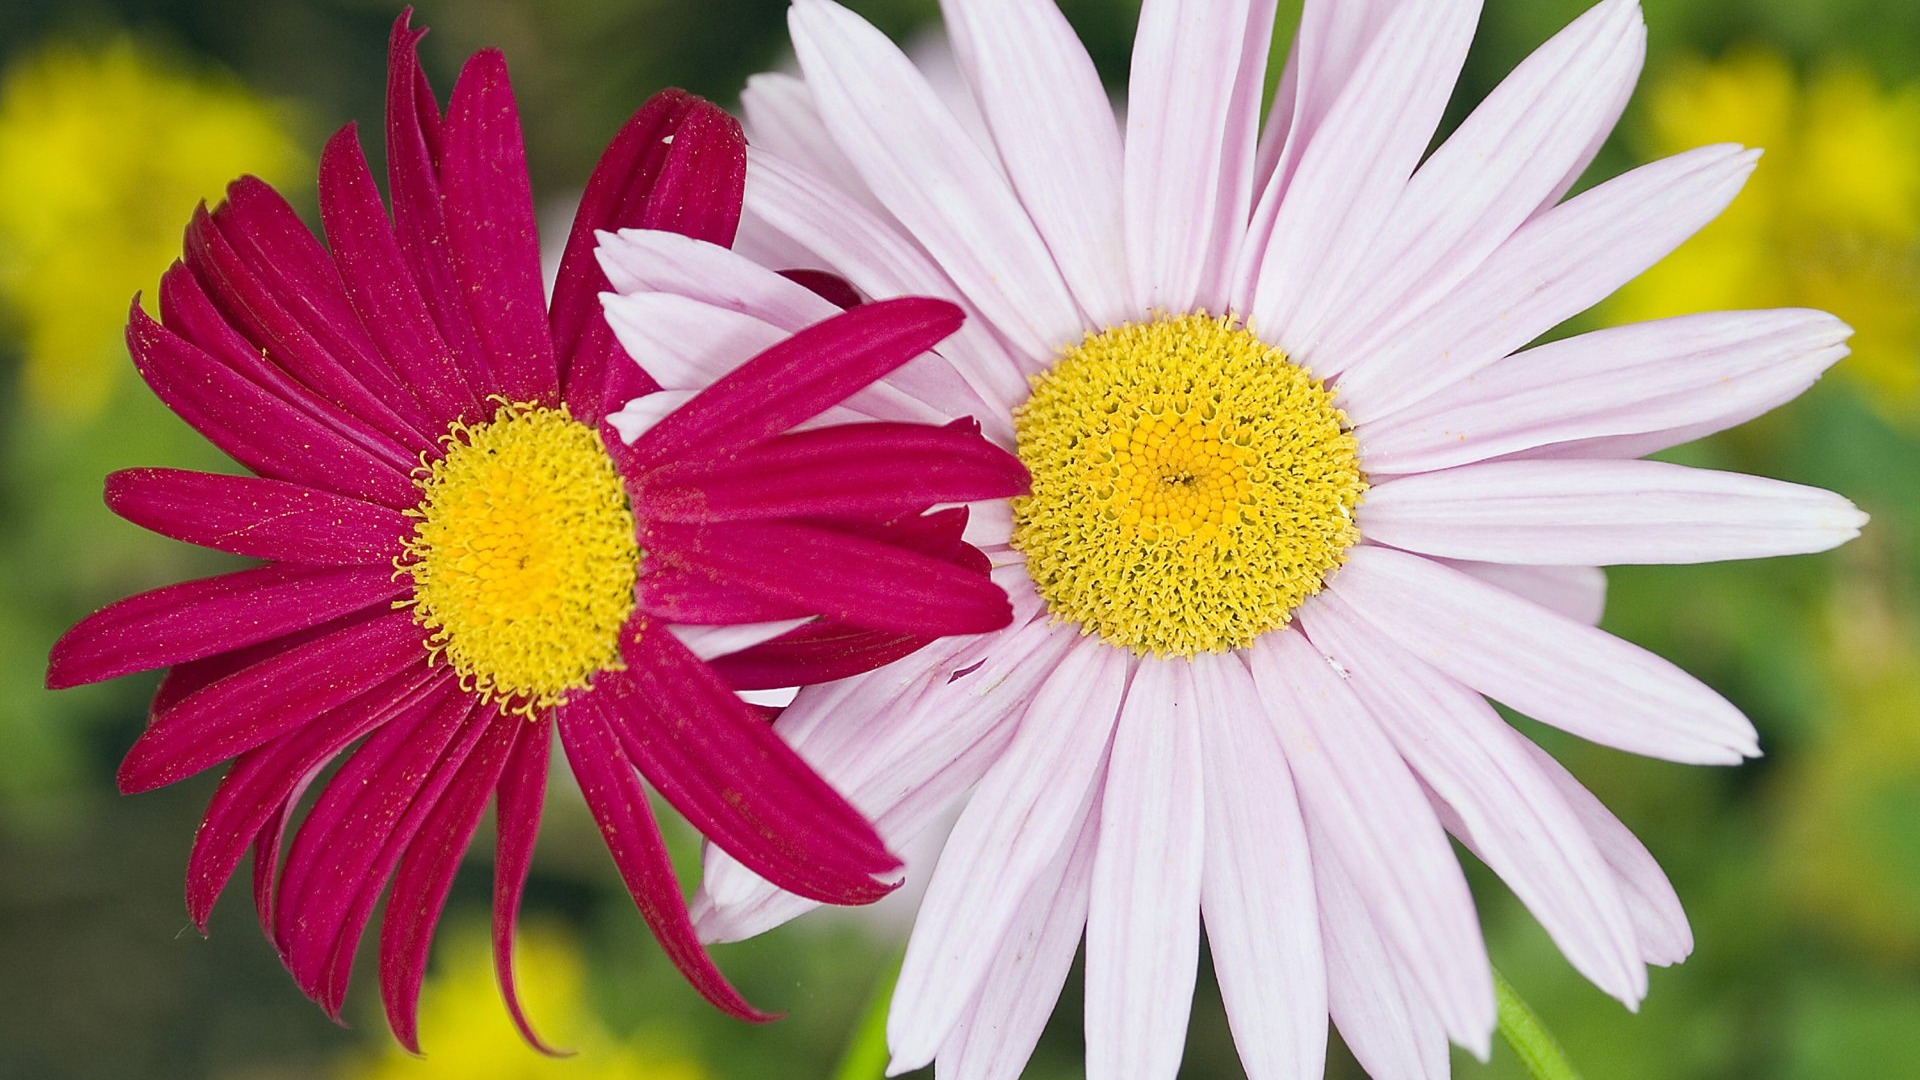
{"points": [[523, 556], [1191, 485]]}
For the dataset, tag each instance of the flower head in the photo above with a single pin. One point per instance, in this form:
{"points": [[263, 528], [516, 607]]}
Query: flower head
{"points": [[459, 559], [1302, 503]]}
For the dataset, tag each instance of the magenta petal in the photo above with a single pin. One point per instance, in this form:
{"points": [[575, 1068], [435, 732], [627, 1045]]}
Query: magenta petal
{"points": [[493, 238], [275, 696], [381, 288], [521, 794], [693, 595], [266, 858], [265, 779], [303, 280], [703, 181], [845, 577], [253, 307], [799, 378], [194, 619], [727, 772], [262, 519], [257, 427], [414, 145], [426, 874], [357, 830], [832, 288], [619, 805], [818, 652], [852, 469]]}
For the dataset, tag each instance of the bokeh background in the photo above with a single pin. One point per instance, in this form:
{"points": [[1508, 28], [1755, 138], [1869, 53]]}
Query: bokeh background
{"points": [[1801, 870]]}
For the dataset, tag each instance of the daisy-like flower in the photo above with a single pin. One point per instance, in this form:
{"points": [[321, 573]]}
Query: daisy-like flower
{"points": [[458, 561], [1302, 504]]}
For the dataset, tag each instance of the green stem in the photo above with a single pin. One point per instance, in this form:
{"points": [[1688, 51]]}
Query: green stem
{"points": [[866, 1055], [1531, 1041]]}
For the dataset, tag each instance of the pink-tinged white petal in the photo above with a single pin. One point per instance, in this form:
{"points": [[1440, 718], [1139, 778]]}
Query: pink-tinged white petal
{"points": [[1003, 1024], [648, 261], [1256, 889], [932, 176], [1021, 815], [1622, 392], [782, 119], [1491, 795], [882, 261], [1350, 179], [1560, 672], [707, 642], [1560, 513], [1064, 159], [1485, 180], [1193, 116], [902, 744], [1556, 266], [1143, 919], [1578, 592], [686, 344], [1658, 919], [1332, 37], [1383, 1018], [1357, 793], [639, 416]]}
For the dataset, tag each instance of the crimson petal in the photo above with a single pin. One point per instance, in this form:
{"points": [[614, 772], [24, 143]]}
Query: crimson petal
{"points": [[799, 378], [199, 618], [521, 794], [727, 772], [259, 518], [494, 241], [278, 694], [879, 469], [619, 805], [843, 576]]}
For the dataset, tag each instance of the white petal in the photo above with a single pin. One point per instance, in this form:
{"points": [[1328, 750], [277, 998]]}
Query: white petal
{"points": [[877, 258], [686, 344], [1488, 177], [1654, 382], [1256, 892], [1556, 266], [1143, 920], [914, 155], [1560, 672], [639, 261], [1382, 1016], [1352, 174], [1193, 114], [1064, 159], [707, 642], [1493, 797], [1019, 818], [1003, 1024], [638, 416], [1561, 513], [1578, 592], [782, 119], [1658, 919], [1355, 790], [901, 744]]}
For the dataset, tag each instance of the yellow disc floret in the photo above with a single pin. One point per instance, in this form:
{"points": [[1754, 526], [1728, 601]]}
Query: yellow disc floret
{"points": [[1191, 486], [523, 556]]}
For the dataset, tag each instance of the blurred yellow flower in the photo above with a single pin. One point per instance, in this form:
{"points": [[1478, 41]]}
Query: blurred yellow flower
{"points": [[466, 1034], [103, 153], [1830, 220]]}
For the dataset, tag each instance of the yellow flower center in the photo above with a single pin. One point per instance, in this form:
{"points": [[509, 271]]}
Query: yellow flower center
{"points": [[523, 556], [1191, 486]]}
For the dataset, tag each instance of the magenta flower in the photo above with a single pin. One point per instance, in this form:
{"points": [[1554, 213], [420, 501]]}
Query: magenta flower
{"points": [[458, 562]]}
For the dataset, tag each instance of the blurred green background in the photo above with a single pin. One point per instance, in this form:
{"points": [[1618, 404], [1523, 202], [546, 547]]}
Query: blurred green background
{"points": [[1801, 871]]}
